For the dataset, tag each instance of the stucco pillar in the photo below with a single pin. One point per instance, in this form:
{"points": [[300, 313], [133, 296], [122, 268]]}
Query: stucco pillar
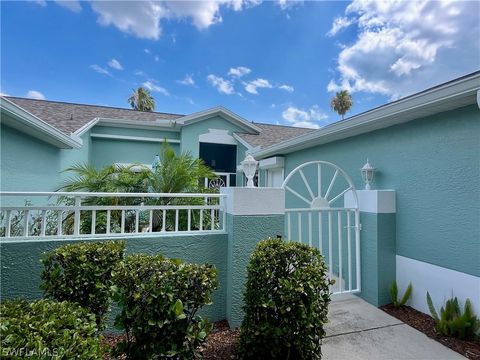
{"points": [[253, 214], [377, 243]]}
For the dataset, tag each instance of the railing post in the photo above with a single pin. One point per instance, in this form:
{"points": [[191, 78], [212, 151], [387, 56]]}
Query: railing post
{"points": [[76, 223], [252, 214]]}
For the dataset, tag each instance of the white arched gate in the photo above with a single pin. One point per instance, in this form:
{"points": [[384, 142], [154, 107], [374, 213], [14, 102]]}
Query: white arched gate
{"points": [[327, 217]]}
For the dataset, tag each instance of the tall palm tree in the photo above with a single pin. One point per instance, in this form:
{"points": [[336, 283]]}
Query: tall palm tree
{"points": [[142, 100], [341, 102]]}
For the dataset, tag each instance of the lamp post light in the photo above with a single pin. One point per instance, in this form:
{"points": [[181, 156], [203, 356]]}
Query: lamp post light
{"points": [[249, 169], [155, 163], [368, 174]]}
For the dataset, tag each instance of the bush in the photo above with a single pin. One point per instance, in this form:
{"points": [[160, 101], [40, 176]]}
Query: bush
{"points": [[47, 329], [159, 299], [82, 273], [286, 302], [452, 322]]}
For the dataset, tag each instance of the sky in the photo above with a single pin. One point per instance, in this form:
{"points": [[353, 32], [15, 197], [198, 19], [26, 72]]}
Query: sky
{"points": [[277, 62]]}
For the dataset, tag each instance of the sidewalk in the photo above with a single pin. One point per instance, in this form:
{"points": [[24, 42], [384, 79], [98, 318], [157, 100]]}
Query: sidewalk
{"points": [[358, 330]]}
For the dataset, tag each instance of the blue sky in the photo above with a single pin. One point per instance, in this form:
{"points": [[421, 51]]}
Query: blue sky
{"points": [[273, 61]]}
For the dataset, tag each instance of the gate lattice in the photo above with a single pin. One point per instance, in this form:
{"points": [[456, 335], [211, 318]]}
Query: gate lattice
{"points": [[323, 223]]}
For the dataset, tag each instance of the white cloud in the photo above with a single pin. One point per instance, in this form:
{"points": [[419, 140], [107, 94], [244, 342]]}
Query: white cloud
{"points": [[157, 58], [147, 51], [150, 85], [239, 71], [407, 46], [309, 118], [143, 18], [222, 85], [188, 80], [339, 24], [34, 94], [115, 64], [72, 5], [100, 70], [286, 88], [252, 86], [287, 4]]}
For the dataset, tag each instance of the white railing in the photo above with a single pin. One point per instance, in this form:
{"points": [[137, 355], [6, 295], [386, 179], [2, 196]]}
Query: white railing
{"points": [[108, 214], [223, 179]]}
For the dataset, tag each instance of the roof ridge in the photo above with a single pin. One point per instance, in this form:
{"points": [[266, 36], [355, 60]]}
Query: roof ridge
{"points": [[285, 126], [102, 106]]}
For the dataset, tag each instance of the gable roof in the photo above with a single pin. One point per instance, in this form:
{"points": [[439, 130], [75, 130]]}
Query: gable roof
{"points": [[272, 134], [73, 118], [69, 117], [451, 95], [223, 112]]}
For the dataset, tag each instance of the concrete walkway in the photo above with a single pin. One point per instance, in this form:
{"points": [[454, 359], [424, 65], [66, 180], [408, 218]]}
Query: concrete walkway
{"points": [[358, 330]]}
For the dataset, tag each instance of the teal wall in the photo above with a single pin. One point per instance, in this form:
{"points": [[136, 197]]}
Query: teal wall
{"points": [[433, 164], [190, 133], [244, 232], [21, 268], [27, 163]]}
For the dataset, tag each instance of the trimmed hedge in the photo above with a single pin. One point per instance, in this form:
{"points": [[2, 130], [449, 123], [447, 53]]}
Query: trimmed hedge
{"points": [[159, 300], [285, 302], [82, 273], [47, 329]]}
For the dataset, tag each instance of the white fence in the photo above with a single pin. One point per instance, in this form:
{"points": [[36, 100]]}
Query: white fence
{"points": [[108, 214]]}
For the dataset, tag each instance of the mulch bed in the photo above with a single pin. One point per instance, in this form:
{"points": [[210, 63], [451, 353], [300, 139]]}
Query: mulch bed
{"points": [[220, 344], [426, 324]]}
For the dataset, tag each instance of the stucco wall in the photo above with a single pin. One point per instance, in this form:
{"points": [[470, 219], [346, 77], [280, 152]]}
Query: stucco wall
{"points": [[27, 164], [433, 164], [21, 267]]}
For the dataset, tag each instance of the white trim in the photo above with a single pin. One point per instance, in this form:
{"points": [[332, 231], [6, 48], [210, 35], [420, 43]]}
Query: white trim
{"points": [[440, 282], [86, 127], [272, 162], [478, 98], [242, 141], [254, 201], [133, 138], [372, 201], [217, 136], [32, 125], [445, 97], [220, 111]]}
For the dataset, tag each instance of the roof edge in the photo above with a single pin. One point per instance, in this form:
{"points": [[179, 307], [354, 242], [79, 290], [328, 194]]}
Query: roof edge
{"points": [[375, 118], [229, 115], [39, 128]]}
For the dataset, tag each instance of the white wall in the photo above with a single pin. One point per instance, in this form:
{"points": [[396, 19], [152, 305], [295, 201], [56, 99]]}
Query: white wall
{"points": [[441, 283]]}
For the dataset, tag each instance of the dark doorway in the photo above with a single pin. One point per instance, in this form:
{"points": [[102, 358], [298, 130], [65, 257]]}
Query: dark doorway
{"points": [[220, 157]]}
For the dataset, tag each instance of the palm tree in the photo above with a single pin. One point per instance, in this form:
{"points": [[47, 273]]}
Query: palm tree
{"points": [[142, 100], [173, 174], [341, 102]]}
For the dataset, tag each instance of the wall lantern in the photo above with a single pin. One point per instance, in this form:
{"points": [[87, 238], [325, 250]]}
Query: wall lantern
{"points": [[155, 163], [368, 173], [249, 169]]}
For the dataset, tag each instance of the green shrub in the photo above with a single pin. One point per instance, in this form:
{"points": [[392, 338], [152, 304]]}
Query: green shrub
{"points": [[452, 322], [47, 329], [159, 299], [82, 273], [285, 303], [394, 295]]}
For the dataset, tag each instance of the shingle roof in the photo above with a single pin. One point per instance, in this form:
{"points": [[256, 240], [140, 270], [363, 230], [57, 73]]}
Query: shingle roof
{"points": [[69, 117], [272, 134]]}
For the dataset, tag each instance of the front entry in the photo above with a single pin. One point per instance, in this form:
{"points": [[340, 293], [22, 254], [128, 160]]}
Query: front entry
{"points": [[316, 215]]}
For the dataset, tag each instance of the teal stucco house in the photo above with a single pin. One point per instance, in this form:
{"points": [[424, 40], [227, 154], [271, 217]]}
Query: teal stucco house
{"points": [[39, 139], [419, 222]]}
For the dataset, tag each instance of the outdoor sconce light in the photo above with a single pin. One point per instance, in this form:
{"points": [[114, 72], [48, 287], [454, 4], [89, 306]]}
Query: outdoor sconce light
{"points": [[368, 173], [155, 163], [249, 169]]}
